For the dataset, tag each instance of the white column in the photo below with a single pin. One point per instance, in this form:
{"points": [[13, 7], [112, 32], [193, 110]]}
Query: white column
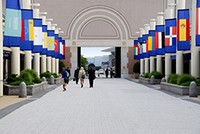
{"points": [[179, 62], [49, 64], [194, 50], [57, 66], [74, 58], [124, 62], [43, 63], [28, 60], [168, 65], [180, 4], [1, 50], [152, 64], [36, 66], [141, 66], [15, 60], [146, 60], [53, 66], [159, 63], [26, 4]]}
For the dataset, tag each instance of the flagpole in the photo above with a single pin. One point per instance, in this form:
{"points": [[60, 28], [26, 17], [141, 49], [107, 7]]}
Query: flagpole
{"points": [[1, 49], [43, 57], [160, 21], [141, 60], [36, 15], [146, 60], [194, 50], [152, 58], [170, 13], [26, 4]]}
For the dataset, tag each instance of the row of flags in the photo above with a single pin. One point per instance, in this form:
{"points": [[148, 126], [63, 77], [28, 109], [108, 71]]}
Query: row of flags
{"points": [[168, 38], [24, 31]]}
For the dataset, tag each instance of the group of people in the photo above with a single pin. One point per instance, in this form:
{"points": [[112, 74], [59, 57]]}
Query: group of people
{"points": [[79, 74], [107, 71]]}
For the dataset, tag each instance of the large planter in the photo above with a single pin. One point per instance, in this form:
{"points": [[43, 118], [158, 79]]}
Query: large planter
{"points": [[58, 80], [147, 80], [136, 75], [31, 90]]}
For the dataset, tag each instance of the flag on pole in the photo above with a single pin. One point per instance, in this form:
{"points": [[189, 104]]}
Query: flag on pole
{"points": [[61, 49], [183, 37], [160, 40], [50, 41], [64, 49], [27, 33], [170, 36], [12, 32], [45, 43], [145, 46], [198, 23], [136, 50], [38, 36], [140, 46], [151, 43]]}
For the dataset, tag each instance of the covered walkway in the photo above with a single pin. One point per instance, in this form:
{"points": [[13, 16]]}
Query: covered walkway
{"points": [[113, 106]]}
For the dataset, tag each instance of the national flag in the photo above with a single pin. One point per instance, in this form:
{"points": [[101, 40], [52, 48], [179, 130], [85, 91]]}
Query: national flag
{"points": [[136, 50], [140, 46], [45, 43], [38, 36], [160, 40], [64, 49], [145, 46], [12, 32], [198, 23], [183, 36], [27, 34], [50, 41], [61, 50], [56, 43], [151, 43], [170, 35]]}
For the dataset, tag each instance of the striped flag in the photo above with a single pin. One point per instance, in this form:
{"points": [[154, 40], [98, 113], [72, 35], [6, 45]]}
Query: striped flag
{"points": [[12, 32], [136, 50], [183, 37], [64, 49], [170, 36], [140, 46], [151, 43], [38, 36], [61, 50], [27, 34], [198, 23], [45, 43], [50, 41], [160, 40], [145, 46]]}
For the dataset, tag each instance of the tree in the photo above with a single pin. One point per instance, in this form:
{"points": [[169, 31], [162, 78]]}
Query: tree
{"points": [[61, 65], [84, 61]]}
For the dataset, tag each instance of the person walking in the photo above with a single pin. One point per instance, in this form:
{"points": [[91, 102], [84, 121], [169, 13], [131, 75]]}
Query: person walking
{"points": [[82, 76], [106, 72], [68, 70], [91, 74], [65, 76], [76, 75]]}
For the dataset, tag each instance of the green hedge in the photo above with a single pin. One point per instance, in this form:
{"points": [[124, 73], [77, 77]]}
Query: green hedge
{"points": [[48, 74], [157, 75], [173, 78], [28, 76], [185, 78], [146, 75]]}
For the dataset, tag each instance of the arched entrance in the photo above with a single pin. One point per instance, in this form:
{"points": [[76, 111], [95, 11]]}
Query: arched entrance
{"points": [[100, 26]]}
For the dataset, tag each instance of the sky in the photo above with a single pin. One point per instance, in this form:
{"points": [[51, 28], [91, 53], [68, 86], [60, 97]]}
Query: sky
{"points": [[93, 51]]}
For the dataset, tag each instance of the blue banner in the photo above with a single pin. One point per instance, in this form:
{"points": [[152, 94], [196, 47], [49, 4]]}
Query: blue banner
{"points": [[152, 43], [45, 42], [160, 38]]}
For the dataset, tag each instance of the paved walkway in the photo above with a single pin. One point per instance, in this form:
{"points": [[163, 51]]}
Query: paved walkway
{"points": [[113, 106]]}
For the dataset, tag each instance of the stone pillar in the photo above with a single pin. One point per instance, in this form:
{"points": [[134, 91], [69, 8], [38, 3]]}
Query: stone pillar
{"points": [[57, 66], [28, 60], [141, 66], [180, 4], [15, 60], [152, 64], [74, 58], [194, 50], [124, 61], [26, 4], [1, 50], [168, 65], [43, 63], [53, 65], [146, 61], [49, 64], [179, 62], [159, 63], [37, 63]]}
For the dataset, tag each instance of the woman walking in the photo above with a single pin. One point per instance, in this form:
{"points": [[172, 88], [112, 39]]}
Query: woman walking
{"points": [[91, 73], [82, 76], [65, 76]]}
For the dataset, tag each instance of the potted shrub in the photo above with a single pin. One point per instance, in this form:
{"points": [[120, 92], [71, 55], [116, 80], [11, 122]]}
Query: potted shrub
{"points": [[157, 75], [33, 82], [144, 79]]}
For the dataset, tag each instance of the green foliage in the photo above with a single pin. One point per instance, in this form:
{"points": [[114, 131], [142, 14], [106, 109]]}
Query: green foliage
{"points": [[136, 67], [61, 65], [173, 78], [146, 75], [187, 83], [197, 82], [185, 78], [157, 75], [84, 61], [46, 74], [54, 75], [28, 76]]}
